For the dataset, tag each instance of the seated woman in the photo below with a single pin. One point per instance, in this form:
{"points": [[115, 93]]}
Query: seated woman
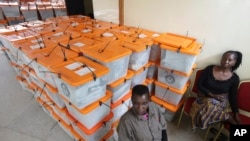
{"points": [[217, 85]]}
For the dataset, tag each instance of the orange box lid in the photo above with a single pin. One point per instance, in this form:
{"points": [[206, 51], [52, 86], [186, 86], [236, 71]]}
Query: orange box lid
{"points": [[101, 34], [193, 49], [177, 91], [136, 44], [93, 105], [51, 88], [77, 72], [179, 72], [78, 43], [93, 129], [24, 73], [153, 63], [167, 105], [28, 69], [149, 81], [107, 52], [15, 65], [116, 83], [144, 33], [61, 110], [63, 123], [34, 44], [100, 24], [22, 79], [115, 123], [62, 35], [76, 136], [174, 40], [52, 56], [108, 135], [44, 104], [19, 35], [126, 30], [121, 100], [141, 69]]}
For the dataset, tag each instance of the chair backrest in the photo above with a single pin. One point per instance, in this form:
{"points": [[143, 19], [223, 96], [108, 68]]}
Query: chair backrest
{"points": [[194, 88], [244, 95]]}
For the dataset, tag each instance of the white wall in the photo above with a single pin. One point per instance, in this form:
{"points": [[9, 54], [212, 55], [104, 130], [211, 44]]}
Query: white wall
{"points": [[223, 24], [107, 10]]}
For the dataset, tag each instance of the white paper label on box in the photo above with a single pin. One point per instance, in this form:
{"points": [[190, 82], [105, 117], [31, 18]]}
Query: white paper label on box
{"points": [[79, 44], [86, 30], [73, 65], [142, 36], [39, 28], [84, 71], [107, 34], [58, 34], [37, 46], [124, 31], [156, 35]]}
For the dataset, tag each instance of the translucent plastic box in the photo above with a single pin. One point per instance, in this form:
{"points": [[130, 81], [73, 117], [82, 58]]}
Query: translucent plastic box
{"points": [[76, 136], [81, 81], [140, 76], [167, 109], [140, 52], [62, 113], [169, 94], [179, 59], [92, 114], [53, 94], [111, 55], [97, 132], [121, 106], [120, 87], [173, 78]]}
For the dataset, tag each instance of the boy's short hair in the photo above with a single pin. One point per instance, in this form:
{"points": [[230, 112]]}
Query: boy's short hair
{"points": [[140, 90]]}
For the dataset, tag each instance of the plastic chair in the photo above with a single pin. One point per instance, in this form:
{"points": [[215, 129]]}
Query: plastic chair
{"points": [[244, 106]]}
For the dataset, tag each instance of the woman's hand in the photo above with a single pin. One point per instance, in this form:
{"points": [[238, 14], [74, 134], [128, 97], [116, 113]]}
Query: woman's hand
{"points": [[219, 97], [237, 118]]}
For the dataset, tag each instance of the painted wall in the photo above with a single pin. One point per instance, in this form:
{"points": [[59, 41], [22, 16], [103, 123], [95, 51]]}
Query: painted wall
{"points": [[222, 24], [107, 10]]}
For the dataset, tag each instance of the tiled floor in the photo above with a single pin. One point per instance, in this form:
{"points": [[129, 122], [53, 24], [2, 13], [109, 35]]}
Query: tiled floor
{"points": [[22, 119]]}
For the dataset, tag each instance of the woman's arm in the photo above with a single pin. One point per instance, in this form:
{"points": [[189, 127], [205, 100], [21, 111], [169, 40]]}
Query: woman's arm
{"points": [[233, 100], [202, 80]]}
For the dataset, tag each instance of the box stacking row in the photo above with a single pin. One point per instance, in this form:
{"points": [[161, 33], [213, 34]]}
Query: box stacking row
{"points": [[81, 70], [172, 63]]}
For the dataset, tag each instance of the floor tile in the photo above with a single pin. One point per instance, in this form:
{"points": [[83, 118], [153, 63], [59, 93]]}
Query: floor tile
{"points": [[10, 135]]}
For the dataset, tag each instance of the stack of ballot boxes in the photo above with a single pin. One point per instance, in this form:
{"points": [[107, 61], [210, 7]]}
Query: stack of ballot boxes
{"points": [[81, 71], [177, 62]]}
